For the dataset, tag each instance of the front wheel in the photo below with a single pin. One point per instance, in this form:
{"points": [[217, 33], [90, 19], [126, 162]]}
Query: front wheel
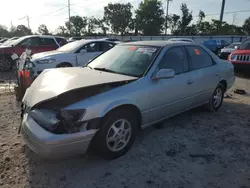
{"points": [[216, 100], [117, 134]]}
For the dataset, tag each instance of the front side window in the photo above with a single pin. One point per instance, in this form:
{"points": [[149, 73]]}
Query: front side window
{"points": [[91, 47], [127, 60], [176, 59], [199, 57]]}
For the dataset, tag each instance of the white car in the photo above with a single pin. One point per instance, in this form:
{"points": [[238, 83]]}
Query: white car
{"points": [[73, 54], [181, 40]]}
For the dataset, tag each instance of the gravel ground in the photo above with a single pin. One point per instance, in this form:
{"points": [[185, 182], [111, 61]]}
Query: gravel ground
{"points": [[159, 158]]}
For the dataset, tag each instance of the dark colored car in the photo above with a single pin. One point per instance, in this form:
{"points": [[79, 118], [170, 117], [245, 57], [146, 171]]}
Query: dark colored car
{"points": [[240, 58], [215, 45], [225, 52], [35, 43]]}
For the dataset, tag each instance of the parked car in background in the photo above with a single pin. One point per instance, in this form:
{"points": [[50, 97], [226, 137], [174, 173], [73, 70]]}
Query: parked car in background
{"points": [[129, 87], [9, 41], [76, 53], [226, 51], [35, 43], [215, 45], [241, 56], [181, 40]]}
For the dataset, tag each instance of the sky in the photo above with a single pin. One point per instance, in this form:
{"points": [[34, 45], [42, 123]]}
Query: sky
{"points": [[54, 13]]}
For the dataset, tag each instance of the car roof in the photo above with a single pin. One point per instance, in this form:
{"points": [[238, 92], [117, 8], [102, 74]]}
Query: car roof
{"points": [[157, 43]]}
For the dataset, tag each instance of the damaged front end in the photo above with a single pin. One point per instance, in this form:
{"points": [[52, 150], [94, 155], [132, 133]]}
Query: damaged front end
{"points": [[53, 116]]}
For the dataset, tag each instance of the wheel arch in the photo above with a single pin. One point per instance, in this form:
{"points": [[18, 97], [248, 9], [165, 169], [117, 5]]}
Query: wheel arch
{"points": [[224, 83], [129, 106], [64, 63]]}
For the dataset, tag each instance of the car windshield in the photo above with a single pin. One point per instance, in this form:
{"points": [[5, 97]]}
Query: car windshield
{"points": [[10, 41], [72, 46], [126, 60], [233, 45], [245, 45]]}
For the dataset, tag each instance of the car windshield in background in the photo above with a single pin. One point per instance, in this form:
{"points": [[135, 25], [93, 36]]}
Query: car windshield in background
{"points": [[233, 45], [245, 45], [72, 46], [127, 60]]}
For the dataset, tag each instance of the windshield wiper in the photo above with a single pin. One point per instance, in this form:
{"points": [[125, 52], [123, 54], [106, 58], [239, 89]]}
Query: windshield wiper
{"points": [[88, 66], [105, 70]]}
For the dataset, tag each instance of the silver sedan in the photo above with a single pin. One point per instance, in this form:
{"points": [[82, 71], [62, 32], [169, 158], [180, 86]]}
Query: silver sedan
{"points": [[132, 86]]}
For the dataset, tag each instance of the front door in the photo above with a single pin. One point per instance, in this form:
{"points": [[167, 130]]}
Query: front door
{"points": [[92, 50], [172, 95]]}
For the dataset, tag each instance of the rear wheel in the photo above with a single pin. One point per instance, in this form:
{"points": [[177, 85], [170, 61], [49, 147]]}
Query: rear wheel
{"points": [[117, 134], [216, 100], [63, 65]]}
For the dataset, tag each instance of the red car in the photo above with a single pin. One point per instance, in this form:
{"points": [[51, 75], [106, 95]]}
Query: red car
{"points": [[35, 43], [241, 56]]}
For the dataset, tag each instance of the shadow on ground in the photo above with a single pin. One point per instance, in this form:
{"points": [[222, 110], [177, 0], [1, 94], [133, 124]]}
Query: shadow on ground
{"points": [[160, 158]]}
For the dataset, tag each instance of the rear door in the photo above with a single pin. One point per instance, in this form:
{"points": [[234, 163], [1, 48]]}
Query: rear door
{"points": [[92, 48], [206, 71]]}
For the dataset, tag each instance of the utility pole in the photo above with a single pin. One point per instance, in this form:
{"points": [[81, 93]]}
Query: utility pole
{"points": [[222, 10], [69, 16], [28, 20], [166, 19]]}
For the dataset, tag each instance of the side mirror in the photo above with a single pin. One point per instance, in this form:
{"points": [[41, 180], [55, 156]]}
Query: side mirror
{"points": [[164, 74], [83, 51], [236, 47]]}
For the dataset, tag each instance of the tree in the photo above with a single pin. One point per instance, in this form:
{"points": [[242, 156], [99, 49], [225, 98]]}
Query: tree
{"points": [[20, 30], [246, 26], [3, 31], [62, 31], [173, 23], [150, 17], [118, 16], [92, 24], [77, 25], [186, 18], [43, 30]]}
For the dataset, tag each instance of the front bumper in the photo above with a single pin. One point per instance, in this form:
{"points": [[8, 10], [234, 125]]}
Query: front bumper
{"points": [[241, 65], [49, 145]]}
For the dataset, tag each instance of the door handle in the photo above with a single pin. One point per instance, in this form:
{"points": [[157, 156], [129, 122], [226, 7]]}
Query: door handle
{"points": [[217, 74], [189, 82]]}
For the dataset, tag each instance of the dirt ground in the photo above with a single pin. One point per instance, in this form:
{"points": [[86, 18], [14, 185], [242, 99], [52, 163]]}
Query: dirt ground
{"points": [[159, 158]]}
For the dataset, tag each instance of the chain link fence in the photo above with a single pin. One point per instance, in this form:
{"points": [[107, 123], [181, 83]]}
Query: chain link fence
{"points": [[8, 81]]}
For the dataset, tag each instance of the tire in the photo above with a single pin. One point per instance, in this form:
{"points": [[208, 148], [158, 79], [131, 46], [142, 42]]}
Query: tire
{"points": [[6, 63], [106, 142], [216, 99], [63, 65]]}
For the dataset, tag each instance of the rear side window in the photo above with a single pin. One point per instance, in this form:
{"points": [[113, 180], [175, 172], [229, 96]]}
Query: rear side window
{"points": [[61, 41], [176, 59], [47, 42], [199, 57], [106, 45]]}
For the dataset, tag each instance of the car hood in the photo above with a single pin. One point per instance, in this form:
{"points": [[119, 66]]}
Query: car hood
{"points": [[53, 82], [227, 50], [241, 52], [45, 54]]}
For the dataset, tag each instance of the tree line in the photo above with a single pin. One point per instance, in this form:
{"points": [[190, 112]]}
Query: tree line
{"points": [[148, 19]]}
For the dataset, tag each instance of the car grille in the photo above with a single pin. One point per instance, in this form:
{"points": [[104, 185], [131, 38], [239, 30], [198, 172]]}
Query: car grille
{"points": [[243, 58]]}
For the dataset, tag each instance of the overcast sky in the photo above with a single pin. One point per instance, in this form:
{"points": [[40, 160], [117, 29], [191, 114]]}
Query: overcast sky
{"points": [[54, 12]]}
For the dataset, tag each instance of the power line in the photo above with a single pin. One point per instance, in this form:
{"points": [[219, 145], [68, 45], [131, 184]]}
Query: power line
{"points": [[231, 12]]}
